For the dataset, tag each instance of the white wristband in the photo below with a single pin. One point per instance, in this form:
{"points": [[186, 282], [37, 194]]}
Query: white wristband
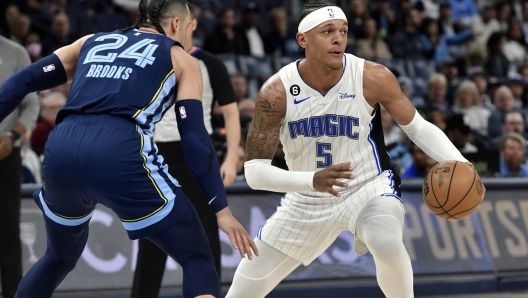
{"points": [[260, 174]]}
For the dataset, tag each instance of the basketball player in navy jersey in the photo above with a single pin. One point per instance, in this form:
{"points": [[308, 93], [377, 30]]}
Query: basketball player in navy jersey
{"points": [[101, 150], [325, 110]]}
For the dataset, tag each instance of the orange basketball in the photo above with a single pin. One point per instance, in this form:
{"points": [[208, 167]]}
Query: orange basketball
{"points": [[452, 190]]}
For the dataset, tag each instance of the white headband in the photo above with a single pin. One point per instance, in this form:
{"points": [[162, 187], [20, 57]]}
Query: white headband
{"points": [[320, 16]]}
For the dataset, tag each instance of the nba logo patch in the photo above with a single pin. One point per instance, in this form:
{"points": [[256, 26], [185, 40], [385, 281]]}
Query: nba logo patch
{"points": [[49, 68], [137, 34], [331, 13], [183, 114]]}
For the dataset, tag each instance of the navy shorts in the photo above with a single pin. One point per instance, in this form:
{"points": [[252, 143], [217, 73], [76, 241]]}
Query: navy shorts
{"points": [[107, 160]]}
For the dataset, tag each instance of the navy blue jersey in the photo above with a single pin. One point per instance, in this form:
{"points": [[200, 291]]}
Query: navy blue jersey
{"points": [[124, 74]]}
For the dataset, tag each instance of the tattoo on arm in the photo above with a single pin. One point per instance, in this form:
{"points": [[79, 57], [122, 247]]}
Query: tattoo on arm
{"points": [[263, 135]]}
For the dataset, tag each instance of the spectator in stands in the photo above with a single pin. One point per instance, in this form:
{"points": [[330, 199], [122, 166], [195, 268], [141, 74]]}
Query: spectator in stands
{"points": [[480, 80], [459, 133], [517, 9], [467, 103], [446, 24], [487, 24], [251, 37], [512, 150], [247, 107], [280, 40], [223, 39], [511, 122], [429, 8], [371, 46], [497, 64], [474, 59], [504, 101], [240, 85], [51, 105], [34, 47], [464, 11], [384, 17], [421, 163], [20, 28], [439, 119], [515, 48], [10, 15], [436, 94], [357, 15], [523, 71], [449, 69], [517, 86], [503, 9], [60, 34], [441, 42], [525, 20], [409, 43], [14, 57]]}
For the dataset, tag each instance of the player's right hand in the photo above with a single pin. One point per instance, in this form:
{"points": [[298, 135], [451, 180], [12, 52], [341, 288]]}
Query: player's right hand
{"points": [[325, 180], [238, 236]]}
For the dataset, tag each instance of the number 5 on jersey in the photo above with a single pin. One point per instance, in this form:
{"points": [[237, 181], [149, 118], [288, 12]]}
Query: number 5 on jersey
{"points": [[321, 152]]}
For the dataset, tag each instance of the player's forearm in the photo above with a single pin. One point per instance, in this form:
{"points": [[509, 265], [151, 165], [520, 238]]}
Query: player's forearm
{"points": [[232, 123], [261, 175], [432, 140], [199, 152], [44, 74]]}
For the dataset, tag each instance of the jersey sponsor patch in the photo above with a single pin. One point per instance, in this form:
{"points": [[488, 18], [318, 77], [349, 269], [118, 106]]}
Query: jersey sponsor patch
{"points": [[49, 68], [183, 113], [346, 96]]}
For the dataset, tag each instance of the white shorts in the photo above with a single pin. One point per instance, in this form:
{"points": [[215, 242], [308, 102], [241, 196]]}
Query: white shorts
{"points": [[303, 227]]}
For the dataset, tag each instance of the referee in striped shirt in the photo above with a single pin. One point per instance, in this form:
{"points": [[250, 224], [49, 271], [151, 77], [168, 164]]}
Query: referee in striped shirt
{"points": [[216, 87]]}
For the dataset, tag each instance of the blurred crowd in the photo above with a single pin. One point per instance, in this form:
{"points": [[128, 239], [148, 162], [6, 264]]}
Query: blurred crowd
{"points": [[463, 64]]}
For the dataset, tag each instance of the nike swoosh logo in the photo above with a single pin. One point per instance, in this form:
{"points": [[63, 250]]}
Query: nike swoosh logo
{"points": [[212, 200], [295, 101]]}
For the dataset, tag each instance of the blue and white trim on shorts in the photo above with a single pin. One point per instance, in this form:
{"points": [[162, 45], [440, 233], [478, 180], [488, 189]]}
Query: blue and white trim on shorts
{"points": [[162, 182], [394, 193], [64, 220]]}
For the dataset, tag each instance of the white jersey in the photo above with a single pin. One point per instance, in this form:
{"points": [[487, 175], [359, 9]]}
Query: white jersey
{"points": [[319, 131]]}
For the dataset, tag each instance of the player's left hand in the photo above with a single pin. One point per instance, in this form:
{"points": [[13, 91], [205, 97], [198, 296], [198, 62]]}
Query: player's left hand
{"points": [[6, 146], [228, 171], [240, 239]]}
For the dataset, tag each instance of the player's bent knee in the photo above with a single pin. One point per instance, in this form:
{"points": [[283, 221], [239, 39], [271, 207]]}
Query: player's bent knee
{"points": [[383, 235]]}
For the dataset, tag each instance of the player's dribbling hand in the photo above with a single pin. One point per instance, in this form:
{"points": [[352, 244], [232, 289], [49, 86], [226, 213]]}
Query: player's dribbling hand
{"points": [[238, 236], [326, 179]]}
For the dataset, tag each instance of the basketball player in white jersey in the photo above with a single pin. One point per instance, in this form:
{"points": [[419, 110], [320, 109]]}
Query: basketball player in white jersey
{"points": [[325, 111]]}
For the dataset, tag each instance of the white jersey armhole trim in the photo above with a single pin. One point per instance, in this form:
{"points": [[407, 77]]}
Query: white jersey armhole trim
{"points": [[364, 106], [283, 75]]}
